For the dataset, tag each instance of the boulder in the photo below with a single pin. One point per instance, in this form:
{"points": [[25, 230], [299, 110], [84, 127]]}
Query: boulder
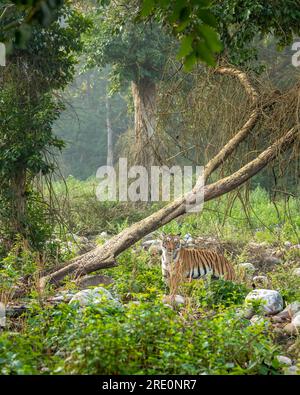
{"points": [[284, 360], [289, 312], [97, 295], [272, 302], [92, 281]]}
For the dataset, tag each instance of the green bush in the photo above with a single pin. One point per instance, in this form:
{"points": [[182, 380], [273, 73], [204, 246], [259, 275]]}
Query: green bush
{"points": [[143, 338]]}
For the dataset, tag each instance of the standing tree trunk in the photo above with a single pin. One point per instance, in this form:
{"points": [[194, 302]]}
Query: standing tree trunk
{"points": [[144, 99], [105, 256], [18, 196], [110, 151]]}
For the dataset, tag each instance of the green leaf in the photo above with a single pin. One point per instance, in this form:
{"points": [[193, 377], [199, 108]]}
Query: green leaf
{"points": [[207, 17], [147, 7], [189, 62], [204, 53], [185, 46], [211, 38]]}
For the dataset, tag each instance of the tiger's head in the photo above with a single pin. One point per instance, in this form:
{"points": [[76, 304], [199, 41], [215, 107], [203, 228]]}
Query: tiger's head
{"points": [[171, 244]]}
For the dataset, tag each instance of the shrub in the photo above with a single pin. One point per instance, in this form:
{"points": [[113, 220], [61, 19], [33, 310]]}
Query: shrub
{"points": [[144, 338]]}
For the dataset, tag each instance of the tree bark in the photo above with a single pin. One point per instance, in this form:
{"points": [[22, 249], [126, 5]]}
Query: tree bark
{"points": [[104, 256], [18, 189], [144, 100], [110, 151]]}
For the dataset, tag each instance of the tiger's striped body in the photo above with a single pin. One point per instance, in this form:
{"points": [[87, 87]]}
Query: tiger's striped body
{"points": [[180, 263]]}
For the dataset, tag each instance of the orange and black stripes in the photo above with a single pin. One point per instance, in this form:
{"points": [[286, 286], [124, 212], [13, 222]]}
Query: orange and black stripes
{"points": [[193, 263], [196, 263]]}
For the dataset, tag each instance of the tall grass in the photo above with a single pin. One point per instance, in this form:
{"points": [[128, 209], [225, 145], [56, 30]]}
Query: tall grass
{"points": [[235, 216]]}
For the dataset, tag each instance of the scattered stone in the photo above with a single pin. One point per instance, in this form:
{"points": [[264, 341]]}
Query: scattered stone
{"points": [[291, 329], [257, 319], [149, 243], [287, 244], [247, 266], [296, 272], [260, 281], [291, 371], [92, 281], [272, 260], [155, 250], [296, 247], [63, 296], [177, 299], [2, 315], [104, 235], [284, 360], [296, 321], [272, 301], [150, 236], [245, 312], [94, 296], [289, 312]]}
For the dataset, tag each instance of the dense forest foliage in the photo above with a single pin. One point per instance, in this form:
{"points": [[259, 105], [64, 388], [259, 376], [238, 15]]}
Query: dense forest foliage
{"points": [[116, 286]]}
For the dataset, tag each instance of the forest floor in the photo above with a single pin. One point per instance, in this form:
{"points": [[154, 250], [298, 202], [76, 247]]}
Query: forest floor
{"points": [[120, 321]]}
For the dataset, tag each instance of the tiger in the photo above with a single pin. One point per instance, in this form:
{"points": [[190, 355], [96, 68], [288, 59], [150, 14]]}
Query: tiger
{"points": [[179, 263]]}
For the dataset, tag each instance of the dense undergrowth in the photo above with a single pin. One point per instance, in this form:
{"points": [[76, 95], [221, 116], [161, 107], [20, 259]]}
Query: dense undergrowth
{"points": [[143, 335]]}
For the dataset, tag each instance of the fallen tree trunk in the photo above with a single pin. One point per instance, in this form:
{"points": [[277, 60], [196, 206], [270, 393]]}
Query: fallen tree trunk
{"points": [[104, 256]]}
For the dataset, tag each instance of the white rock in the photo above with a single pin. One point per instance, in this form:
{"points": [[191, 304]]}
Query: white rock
{"points": [[291, 371], [296, 272], [245, 312], [178, 299], [260, 280], [272, 301], [290, 311], [257, 319], [94, 296], [287, 244], [284, 360], [2, 315], [247, 267], [66, 297], [148, 243], [296, 321]]}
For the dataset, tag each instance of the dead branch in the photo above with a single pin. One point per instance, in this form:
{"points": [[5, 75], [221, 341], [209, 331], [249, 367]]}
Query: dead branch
{"points": [[104, 256]]}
